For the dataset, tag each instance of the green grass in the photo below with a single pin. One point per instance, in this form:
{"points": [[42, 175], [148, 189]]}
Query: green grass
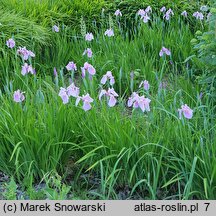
{"points": [[155, 155]]}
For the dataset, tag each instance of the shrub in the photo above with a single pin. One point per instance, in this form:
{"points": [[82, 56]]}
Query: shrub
{"points": [[205, 47]]}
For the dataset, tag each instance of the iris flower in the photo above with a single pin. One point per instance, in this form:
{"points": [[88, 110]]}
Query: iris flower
{"points": [[168, 14], [109, 33], [87, 100], [198, 15], [65, 93], [118, 13], [184, 13], [186, 110], [145, 18], [88, 51], [64, 96], [148, 9], [27, 69], [55, 28], [163, 9], [145, 85], [18, 96], [139, 102], [24, 53], [10, 43], [108, 76], [145, 14], [89, 37], [89, 68], [141, 12], [72, 90], [71, 66], [163, 51], [111, 95]]}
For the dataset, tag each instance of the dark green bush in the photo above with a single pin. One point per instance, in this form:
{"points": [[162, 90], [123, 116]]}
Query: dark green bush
{"points": [[205, 47], [69, 12]]}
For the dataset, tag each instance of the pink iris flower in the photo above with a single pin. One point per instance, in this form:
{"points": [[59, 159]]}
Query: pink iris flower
{"points": [[186, 110], [163, 9], [132, 101], [145, 85], [18, 96], [168, 14], [71, 66], [88, 52], [72, 90], [109, 33], [139, 102], [145, 14], [111, 95], [64, 96], [144, 103], [108, 76], [89, 37], [198, 15], [89, 68], [65, 93], [27, 69], [145, 18], [55, 28], [118, 13], [87, 100], [163, 51], [141, 12], [184, 13], [10, 43], [148, 9], [24, 53]]}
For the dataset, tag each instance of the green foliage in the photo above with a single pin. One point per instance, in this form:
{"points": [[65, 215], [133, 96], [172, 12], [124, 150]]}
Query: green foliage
{"points": [[205, 48], [130, 8], [206, 44], [55, 189], [22, 28], [68, 13], [11, 189], [52, 12]]}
